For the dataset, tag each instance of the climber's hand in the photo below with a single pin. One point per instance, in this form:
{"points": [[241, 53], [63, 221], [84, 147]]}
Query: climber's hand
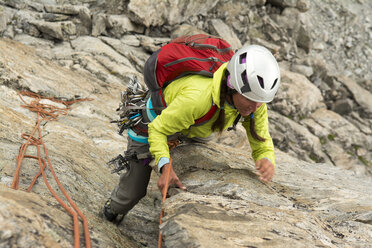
{"points": [[265, 170], [173, 179]]}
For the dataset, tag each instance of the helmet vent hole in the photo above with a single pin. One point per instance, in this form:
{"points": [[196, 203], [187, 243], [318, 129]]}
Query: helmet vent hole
{"points": [[276, 80], [261, 81], [243, 58], [246, 87]]}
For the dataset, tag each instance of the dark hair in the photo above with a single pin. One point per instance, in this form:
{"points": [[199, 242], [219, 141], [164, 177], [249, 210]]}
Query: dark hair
{"points": [[220, 122]]}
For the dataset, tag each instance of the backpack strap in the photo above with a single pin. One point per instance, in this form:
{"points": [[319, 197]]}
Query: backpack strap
{"points": [[236, 121], [207, 116]]}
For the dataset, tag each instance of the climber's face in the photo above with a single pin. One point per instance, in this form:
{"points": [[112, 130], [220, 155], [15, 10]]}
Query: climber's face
{"points": [[245, 106]]}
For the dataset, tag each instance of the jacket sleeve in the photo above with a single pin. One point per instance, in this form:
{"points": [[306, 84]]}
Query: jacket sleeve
{"points": [[179, 115], [260, 149]]}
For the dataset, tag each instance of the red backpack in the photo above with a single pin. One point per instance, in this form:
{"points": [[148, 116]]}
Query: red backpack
{"points": [[196, 54]]}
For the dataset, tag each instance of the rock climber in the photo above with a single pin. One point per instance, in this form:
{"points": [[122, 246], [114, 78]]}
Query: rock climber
{"points": [[240, 87]]}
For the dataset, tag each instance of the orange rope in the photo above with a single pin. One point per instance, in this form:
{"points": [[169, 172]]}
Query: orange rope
{"points": [[165, 191], [47, 112]]}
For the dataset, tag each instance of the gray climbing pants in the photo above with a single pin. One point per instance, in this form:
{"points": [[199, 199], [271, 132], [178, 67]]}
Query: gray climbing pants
{"points": [[133, 184]]}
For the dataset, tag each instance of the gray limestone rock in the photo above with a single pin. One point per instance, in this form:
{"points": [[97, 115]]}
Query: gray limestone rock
{"points": [[236, 209], [156, 13], [148, 13], [343, 106], [50, 29], [290, 101], [130, 40], [340, 139], [86, 21], [63, 9], [6, 15], [51, 17], [304, 39], [152, 44], [118, 25], [99, 24], [302, 5], [222, 30], [303, 69], [41, 222], [185, 29], [361, 96], [296, 139], [96, 47], [307, 204], [334, 124]]}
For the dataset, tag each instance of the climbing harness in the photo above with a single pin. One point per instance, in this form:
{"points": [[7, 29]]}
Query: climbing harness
{"points": [[121, 163]]}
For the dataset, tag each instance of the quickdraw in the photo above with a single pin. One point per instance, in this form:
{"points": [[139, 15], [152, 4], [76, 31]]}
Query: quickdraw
{"points": [[131, 105]]}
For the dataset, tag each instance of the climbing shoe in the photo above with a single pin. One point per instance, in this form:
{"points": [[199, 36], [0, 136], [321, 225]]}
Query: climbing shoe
{"points": [[108, 213]]}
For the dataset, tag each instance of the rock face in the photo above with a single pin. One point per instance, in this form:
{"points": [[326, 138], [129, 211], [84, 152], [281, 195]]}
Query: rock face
{"points": [[226, 206], [320, 121], [77, 160]]}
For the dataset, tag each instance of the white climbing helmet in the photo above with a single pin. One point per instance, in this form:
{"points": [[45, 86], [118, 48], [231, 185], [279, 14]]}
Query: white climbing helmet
{"points": [[254, 73]]}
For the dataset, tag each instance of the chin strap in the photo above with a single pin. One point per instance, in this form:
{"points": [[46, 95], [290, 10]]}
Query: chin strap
{"points": [[236, 121]]}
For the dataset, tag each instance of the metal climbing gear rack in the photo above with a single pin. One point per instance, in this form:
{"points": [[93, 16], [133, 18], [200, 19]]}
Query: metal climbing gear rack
{"points": [[131, 105]]}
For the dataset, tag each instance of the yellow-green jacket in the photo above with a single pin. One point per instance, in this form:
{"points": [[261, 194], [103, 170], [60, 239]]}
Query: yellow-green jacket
{"points": [[189, 98]]}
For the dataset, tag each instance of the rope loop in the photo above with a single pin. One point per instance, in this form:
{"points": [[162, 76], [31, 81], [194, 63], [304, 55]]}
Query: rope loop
{"points": [[48, 112]]}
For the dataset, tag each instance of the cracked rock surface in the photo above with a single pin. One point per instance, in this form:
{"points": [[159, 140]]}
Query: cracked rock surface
{"points": [[320, 121]]}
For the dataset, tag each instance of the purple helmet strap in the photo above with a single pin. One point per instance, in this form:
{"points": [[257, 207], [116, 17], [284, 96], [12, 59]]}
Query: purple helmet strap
{"points": [[228, 82]]}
